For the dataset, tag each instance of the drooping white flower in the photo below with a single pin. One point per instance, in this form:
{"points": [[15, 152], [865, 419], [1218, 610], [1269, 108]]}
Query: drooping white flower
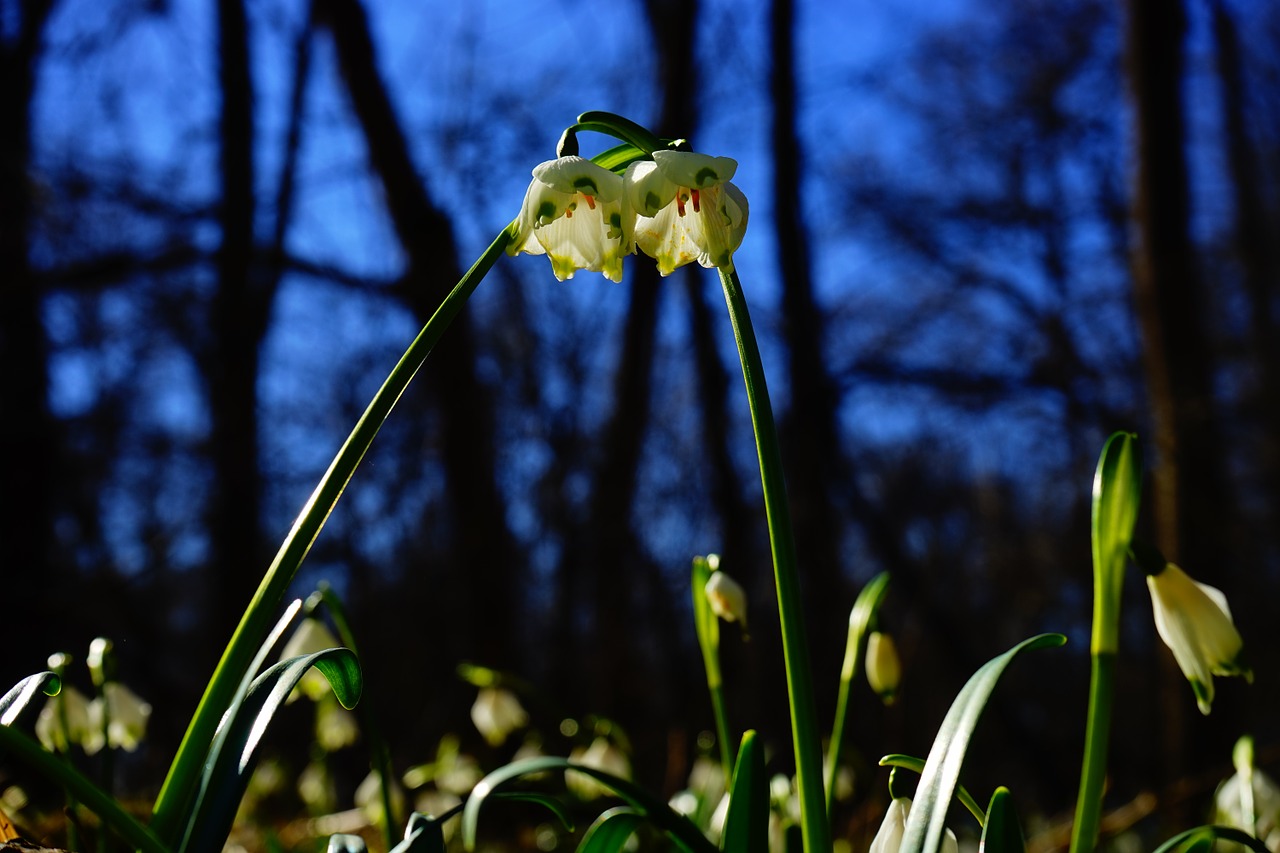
{"points": [[573, 212], [1195, 623], [889, 837], [884, 670], [727, 598], [686, 210], [63, 720], [497, 712], [604, 755], [127, 717]]}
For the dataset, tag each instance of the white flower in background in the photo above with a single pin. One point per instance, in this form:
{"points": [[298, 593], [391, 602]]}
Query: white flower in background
{"points": [[1249, 799], [889, 838], [127, 717], [63, 720], [727, 598], [336, 727], [368, 798], [686, 210], [311, 636], [604, 755], [1195, 623], [573, 212], [884, 670], [497, 713]]}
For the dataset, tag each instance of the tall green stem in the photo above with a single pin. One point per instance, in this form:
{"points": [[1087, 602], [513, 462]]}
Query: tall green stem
{"points": [[1084, 832], [256, 622], [804, 720], [1117, 488]]}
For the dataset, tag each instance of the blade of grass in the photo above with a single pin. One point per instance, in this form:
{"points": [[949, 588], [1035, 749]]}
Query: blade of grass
{"points": [[184, 772]]}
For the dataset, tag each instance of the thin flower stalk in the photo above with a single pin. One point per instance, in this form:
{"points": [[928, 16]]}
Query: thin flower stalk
{"points": [[815, 830]]}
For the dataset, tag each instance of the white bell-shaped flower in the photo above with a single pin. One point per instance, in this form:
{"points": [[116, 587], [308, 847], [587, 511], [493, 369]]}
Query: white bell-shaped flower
{"points": [[127, 717], [1195, 623], [573, 212], [686, 210], [604, 755], [497, 712], [63, 720], [727, 598]]}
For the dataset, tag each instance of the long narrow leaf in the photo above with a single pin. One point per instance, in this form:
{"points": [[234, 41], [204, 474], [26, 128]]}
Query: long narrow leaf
{"points": [[925, 826], [184, 772], [1226, 833], [677, 827], [746, 826], [1001, 833], [20, 695], [611, 831], [227, 774], [212, 757], [86, 793]]}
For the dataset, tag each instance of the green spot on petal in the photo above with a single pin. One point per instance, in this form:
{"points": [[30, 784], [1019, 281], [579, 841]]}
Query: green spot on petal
{"points": [[584, 183], [615, 219], [652, 203], [546, 211], [706, 175]]}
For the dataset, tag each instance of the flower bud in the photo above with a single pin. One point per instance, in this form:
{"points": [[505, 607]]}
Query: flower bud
{"points": [[727, 598], [497, 713], [884, 670]]}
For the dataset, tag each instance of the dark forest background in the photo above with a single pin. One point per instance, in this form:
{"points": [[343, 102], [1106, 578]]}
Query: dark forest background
{"points": [[982, 238]]}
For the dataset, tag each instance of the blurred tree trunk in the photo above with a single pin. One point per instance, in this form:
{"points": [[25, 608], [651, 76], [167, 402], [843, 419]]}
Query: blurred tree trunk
{"points": [[1170, 307], [1256, 255], [811, 433], [238, 323], [28, 434], [483, 551]]}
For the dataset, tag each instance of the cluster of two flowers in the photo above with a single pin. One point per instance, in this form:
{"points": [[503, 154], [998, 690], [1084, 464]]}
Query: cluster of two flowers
{"points": [[677, 208]]}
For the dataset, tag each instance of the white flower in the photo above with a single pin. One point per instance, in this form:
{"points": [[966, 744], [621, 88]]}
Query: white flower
{"points": [[497, 713], [686, 210], [727, 598], [69, 707], [602, 754], [127, 717], [889, 838], [1195, 623], [884, 671], [574, 213]]}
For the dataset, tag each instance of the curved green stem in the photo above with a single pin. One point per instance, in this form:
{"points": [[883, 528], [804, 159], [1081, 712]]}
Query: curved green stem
{"points": [[254, 625], [804, 719]]}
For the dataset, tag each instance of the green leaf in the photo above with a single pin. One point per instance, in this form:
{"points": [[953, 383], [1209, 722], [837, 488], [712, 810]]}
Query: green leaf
{"points": [[24, 748], [619, 157], [746, 826], [1002, 833], [916, 765], [216, 746], [227, 773], [621, 128], [547, 801], [1200, 833], [1117, 492], [21, 694], [677, 827], [861, 617], [611, 830], [941, 774]]}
